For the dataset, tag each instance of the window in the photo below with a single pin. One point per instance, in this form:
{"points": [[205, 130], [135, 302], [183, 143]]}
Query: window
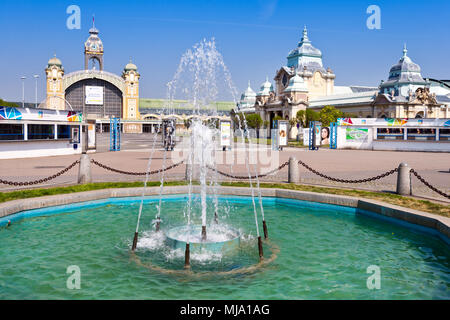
{"points": [[444, 134], [390, 133], [421, 134], [41, 131], [64, 132], [11, 132]]}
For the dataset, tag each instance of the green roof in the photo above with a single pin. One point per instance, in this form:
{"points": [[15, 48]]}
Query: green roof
{"points": [[180, 104]]}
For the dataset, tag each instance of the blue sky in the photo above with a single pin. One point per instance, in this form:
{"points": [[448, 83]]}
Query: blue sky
{"points": [[253, 36]]}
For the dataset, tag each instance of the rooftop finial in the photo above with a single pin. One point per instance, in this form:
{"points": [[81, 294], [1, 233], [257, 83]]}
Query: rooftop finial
{"points": [[305, 38], [405, 51], [249, 83]]}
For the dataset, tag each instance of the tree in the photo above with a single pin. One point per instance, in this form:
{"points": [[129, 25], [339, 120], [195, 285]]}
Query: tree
{"points": [[329, 114], [4, 103], [254, 121], [305, 116]]}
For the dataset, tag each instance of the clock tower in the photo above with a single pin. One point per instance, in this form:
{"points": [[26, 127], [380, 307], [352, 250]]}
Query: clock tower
{"points": [[93, 49]]}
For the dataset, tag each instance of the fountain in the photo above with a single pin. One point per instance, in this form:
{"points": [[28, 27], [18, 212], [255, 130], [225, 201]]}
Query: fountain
{"points": [[197, 81]]}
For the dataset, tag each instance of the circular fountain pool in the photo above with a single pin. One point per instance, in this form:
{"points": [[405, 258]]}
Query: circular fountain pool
{"points": [[324, 253]]}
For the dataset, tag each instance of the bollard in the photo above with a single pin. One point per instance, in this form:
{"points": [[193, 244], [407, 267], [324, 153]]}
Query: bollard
{"points": [[195, 172], [84, 170], [188, 169], [294, 173], [404, 180]]}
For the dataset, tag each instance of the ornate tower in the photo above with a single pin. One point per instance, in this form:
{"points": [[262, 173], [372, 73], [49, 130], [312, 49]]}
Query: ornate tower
{"points": [[131, 98], [93, 48], [55, 93]]}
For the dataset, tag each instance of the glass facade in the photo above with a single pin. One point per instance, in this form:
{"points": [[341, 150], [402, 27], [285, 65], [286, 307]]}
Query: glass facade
{"points": [[112, 99], [11, 132]]}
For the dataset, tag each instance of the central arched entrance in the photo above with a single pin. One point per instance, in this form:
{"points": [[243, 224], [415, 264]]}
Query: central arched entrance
{"points": [[109, 106]]}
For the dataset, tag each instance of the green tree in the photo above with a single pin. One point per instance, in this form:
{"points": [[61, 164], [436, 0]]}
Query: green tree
{"points": [[305, 116], [254, 121], [329, 114], [4, 103]]}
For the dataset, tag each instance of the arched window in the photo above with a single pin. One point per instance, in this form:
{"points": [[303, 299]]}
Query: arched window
{"points": [[419, 115]]}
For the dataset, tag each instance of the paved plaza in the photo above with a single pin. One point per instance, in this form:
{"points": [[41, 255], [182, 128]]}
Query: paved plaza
{"points": [[346, 164]]}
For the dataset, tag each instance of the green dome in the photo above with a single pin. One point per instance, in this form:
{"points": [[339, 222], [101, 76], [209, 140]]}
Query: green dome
{"points": [[54, 62]]}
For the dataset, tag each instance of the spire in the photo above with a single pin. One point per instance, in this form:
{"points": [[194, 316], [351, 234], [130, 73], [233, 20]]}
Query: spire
{"points": [[305, 38], [405, 51], [93, 30]]}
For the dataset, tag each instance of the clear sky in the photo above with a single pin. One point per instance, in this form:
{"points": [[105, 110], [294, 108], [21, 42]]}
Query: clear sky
{"points": [[254, 37]]}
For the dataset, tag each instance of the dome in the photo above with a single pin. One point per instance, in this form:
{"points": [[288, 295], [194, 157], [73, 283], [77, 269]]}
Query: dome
{"points": [[130, 66], [403, 72], [93, 44], [248, 98], [405, 64], [305, 46], [266, 88], [296, 84], [305, 56], [54, 62]]}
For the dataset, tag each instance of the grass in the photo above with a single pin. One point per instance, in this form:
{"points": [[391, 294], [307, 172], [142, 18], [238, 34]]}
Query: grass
{"points": [[254, 140], [407, 202]]}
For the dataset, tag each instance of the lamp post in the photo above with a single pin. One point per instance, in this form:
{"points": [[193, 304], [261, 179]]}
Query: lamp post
{"points": [[23, 91], [36, 77]]}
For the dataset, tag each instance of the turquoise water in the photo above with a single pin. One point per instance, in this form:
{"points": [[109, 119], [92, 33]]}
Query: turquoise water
{"points": [[324, 254]]}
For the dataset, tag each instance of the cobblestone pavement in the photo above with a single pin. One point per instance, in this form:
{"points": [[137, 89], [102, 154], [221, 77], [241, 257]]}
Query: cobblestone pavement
{"points": [[347, 164]]}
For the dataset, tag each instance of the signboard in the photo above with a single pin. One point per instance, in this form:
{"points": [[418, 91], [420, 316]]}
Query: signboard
{"points": [[91, 136], [282, 133], [225, 133], [13, 113], [94, 95], [356, 134], [390, 122]]}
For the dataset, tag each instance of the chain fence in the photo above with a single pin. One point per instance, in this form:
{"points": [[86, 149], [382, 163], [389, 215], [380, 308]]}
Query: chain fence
{"points": [[387, 173], [39, 181], [421, 179], [131, 173], [247, 177]]}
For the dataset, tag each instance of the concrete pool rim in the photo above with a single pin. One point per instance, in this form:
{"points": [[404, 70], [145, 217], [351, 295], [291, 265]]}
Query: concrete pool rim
{"points": [[438, 225]]}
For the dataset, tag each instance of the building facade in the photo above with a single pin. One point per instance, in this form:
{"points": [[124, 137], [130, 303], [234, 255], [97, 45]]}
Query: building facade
{"points": [[304, 83], [98, 94]]}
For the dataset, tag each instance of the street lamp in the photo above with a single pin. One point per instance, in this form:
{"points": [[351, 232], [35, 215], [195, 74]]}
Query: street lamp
{"points": [[23, 91], [36, 77]]}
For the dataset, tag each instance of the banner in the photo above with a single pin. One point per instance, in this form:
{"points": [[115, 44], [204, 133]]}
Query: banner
{"points": [[94, 95], [356, 134], [282, 133], [225, 133]]}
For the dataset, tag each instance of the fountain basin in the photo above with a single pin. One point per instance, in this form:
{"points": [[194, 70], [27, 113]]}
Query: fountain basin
{"points": [[219, 238]]}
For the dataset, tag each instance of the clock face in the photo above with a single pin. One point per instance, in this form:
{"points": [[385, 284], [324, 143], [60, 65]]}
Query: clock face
{"points": [[94, 47]]}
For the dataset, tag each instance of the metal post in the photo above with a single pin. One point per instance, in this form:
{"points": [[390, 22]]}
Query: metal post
{"points": [[36, 99], [404, 180], [23, 91]]}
